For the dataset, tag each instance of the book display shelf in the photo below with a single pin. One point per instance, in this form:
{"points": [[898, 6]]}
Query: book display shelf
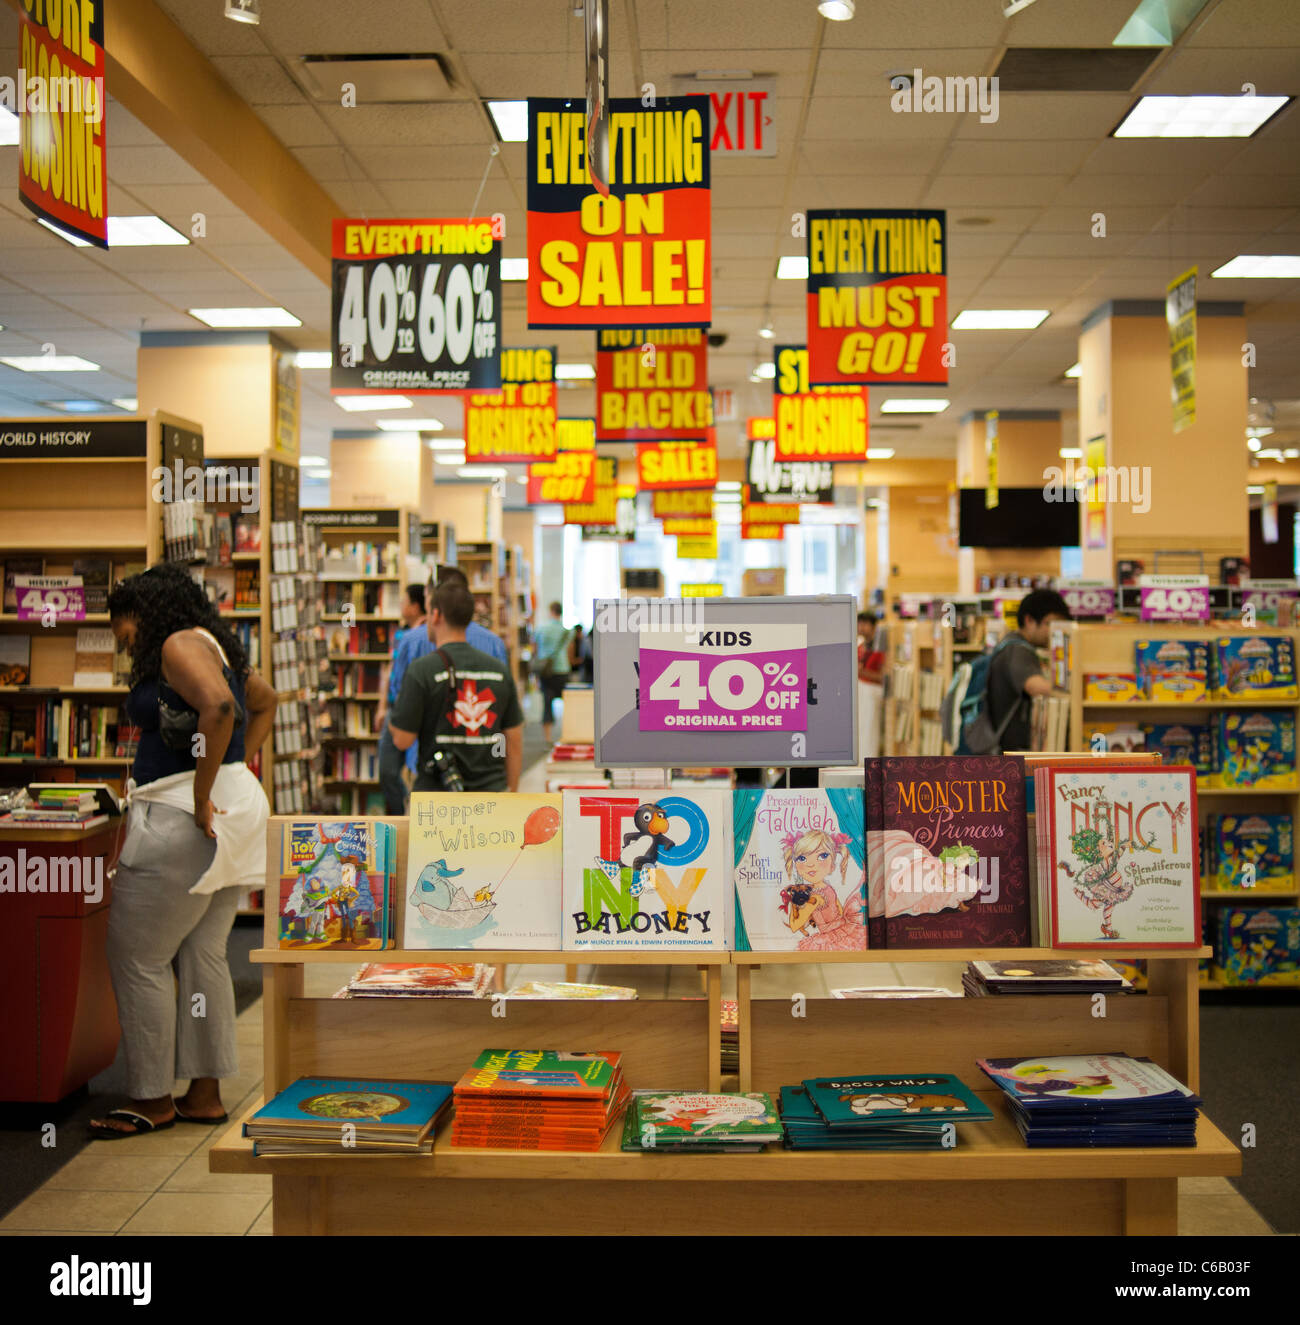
{"points": [[517, 629], [990, 1183], [437, 544], [921, 663], [491, 572]]}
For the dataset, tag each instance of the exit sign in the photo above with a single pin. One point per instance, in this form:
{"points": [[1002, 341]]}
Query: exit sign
{"points": [[743, 112]]}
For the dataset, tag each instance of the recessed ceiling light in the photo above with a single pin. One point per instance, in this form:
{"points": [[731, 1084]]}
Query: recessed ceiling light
{"points": [[766, 330], [999, 319], [1071, 453], [245, 318], [483, 471], [1198, 117], [313, 359], [880, 453], [838, 11], [765, 371], [446, 443], [8, 128], [511, 120], [1276, 266], [49, 363], [128, 403], [244, 11], [514, 269], [356, 404], [125, 232], [75, 406], [449, 459], [410, 425], [792, 268], [900, 405], [1073, 371], [312, 461], [574, 371], [1253, 443]]}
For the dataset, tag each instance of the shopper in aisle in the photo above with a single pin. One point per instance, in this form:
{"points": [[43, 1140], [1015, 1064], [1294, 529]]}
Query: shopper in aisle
{"points": [[195, 836], [1015, 673], [460, 705], [871, 688], [391, 759], [412, 612], [551, 664]]}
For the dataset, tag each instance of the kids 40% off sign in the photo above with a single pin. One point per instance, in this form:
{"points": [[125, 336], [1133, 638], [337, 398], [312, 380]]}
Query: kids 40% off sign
{"points": [[726, 678]]}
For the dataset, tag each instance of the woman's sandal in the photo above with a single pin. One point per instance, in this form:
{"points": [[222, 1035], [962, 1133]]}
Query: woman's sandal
{"points": [[204, 1122], [141, 1124]]}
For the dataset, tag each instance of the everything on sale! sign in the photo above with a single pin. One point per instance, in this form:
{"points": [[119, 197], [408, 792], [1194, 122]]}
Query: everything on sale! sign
{"points": [[652, 385], [827, 423], [877, 297], [516, 424], [639, 257], [676, 465]]}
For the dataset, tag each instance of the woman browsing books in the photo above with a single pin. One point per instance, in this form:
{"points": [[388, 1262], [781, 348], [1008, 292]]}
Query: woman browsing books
{"points": [[194, 838]]}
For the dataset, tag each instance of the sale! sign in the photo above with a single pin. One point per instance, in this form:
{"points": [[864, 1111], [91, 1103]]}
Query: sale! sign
{"points": [[785, 481], [1173, 598], [877, 297], [416, 307], [602, 509], [516, 424], [676, 465], [816, 423], [652, 385], [50, 598], [668, 502], [746, 676], [639, 257], [570, 477]]}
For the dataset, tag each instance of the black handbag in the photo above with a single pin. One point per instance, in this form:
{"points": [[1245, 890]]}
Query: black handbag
{"points": [[178, 723]]}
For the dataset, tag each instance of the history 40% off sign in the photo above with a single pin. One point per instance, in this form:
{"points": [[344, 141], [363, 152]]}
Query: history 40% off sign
{"points": [[727, 678]]}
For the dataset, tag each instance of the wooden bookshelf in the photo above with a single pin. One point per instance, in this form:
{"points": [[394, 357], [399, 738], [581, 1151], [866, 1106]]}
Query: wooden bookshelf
{"points": [[920, 669]]}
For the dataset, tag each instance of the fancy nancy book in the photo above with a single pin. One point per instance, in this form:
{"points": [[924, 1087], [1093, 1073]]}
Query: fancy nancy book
{"points": [[798, 876], [336, 884], [483, 871], [647, 869]]}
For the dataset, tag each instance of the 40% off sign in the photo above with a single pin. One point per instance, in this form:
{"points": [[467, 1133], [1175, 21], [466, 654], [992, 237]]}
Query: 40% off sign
{"points": [[724, 678]]}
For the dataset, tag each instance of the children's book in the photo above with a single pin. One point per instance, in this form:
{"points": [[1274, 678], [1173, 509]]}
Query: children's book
{"points": [[1254, 667], [546, 1074], [799, 878], [483, 871], [854, 1101], [1119, 858], [647, 870], [318, 1107], [688, 1119], [1258, 945], [1251, 851], [335, 884], [1256, 749]]}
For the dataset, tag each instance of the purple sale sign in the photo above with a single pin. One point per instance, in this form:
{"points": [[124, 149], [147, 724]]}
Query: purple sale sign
{"points": [[50, 598], [727, 678], [1172, 601]]}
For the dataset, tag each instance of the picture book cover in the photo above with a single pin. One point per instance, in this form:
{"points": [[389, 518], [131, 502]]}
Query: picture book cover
{"points": [[483, 871], [1123, 859], [1258, 945], [1252, 851], [315, 1104], [664, 1119], [647, 871], [947, 855], [334, 884], [1090, 1078], [1255, 667], [1256, 749], [541, 1074], [798, 877], [855, 1100]]}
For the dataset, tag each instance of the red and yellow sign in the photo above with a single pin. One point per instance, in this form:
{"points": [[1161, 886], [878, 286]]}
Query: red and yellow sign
{"points": [[517, 424], [652, 385], [760, 430], [770, 513], [690, 525], [61, 103], [570, 477], [575, 434], [676, 465], [603, 507], [816, 423], [698, 547], [669, 502], [640, 256], [877, 297], [756, 530]]}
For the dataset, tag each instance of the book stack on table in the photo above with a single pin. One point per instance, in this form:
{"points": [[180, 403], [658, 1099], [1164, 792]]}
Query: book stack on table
{"points": [[437, 980], [692, 1122], [1061, 976]]}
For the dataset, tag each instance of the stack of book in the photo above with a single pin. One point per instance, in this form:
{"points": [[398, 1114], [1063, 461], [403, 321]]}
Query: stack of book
{"points": [[1047, 977], [337, 1116], [395, 980], [1082, 1100], [730, 1035], [894, 991], [911, 1111], [62, 805], [539, 1099], [563, 989], [696, 1123]]}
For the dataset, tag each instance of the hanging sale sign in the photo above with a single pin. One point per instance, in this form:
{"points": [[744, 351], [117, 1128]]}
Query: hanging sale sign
{"points": [[640, 256], [773, 480], [652, 385], [816, 423], [697, 547], [570, 477], [1180, 314], [764, 530], [760, 430], [516, 424], [1094, 512], [623, 528], [60, 100], [676, 465], [416, 307], [575, 434], [602, 509], [991, 459], [669, 502], [711, 589], [770, 513], [697, 525], [877, 297]]}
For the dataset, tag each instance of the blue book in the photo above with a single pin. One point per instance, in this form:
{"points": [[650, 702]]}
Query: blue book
{"points": [[317, 1108], [934, 1098]]}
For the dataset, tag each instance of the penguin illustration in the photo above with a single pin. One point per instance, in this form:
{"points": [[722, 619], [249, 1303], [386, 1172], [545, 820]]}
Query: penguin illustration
{"points": [[651, 822]]}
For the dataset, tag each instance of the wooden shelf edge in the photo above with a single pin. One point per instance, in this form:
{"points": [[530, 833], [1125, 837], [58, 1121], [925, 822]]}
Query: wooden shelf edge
{"points": [[905, 955], [492, 957]]}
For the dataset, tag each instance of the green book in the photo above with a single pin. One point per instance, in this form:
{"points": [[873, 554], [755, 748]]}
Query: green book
{"points": [[686, 1119]]}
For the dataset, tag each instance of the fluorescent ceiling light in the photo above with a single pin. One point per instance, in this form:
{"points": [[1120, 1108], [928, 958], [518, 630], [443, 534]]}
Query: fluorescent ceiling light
{"points": [[1071, 453], [792, 268], [125, 232], [1259, 432], [511, 120], [312, 359], [999, 319], [880, 453], [449, 459], [767, 331], [75, 406], [766, 370], [49, 363], [728, 487], [514, 269], [574, 371], [483, 471], [409, 425], [245, 318], [128, 403], [354, 404], [8, 128], [1292, 453], [1255, 490], [244, 11], [1073, 371], [446, 443], [838, 11], [312, 461], [899, 405], [1198, 117], [1277, 266], [313, 474]]}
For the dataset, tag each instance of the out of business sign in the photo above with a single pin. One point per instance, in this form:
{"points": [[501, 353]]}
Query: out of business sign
{"points": [[827, 423], [517, 424], [877, 298], [640, 256], [652, 384], [416, 306]]}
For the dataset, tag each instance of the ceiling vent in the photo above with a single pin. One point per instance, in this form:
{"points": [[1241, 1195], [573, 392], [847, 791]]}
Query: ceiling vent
{"points": [[378, 79], [1056, 69]]}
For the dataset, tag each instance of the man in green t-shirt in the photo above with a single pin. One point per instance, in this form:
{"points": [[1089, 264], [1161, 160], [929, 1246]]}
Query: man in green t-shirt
{"points": [[480, 725], [552, 646]]}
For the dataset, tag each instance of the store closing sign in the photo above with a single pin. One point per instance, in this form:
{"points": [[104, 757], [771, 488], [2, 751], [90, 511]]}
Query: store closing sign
{"points": [[416, 307], [570, 477], [676, 465], [782, 481], [877, 297], [61, 100], [652, 385], [516, 424], [827, 423], [640, 256]]}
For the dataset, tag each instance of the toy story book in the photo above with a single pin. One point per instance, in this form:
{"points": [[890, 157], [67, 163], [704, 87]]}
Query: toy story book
{"points": [[1119, 857], [336, 884], [798, 878], [647, 870], [483, 871]]}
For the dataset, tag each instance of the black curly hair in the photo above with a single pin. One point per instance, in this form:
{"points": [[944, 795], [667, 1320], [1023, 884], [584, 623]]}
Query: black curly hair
{"points": [[161, 601]]}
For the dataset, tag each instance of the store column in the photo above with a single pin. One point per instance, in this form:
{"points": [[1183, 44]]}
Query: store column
{"points": [[922, 549]]}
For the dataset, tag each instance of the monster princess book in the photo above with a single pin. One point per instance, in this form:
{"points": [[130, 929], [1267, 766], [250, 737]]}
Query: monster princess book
{"points": [[947, 864], [798, 876], [651, 870], [336, 884], [483, 871], [1119, 858]]}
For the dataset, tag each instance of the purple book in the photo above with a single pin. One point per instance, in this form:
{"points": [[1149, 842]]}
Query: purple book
{"points": [[947, 862]]}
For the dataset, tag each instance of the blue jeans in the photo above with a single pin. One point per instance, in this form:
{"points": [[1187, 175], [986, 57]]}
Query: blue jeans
{"points": [[391, 762]]}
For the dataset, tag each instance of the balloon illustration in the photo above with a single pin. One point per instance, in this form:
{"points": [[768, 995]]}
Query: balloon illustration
{"points": [[539, 827]]}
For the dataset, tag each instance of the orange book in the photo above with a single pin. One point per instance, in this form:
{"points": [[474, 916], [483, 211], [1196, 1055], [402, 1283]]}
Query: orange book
{"points": [[542, 1074]]}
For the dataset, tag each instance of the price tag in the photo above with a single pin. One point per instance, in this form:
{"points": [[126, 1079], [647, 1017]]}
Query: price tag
{"points": [[50, 598], [724, 678], [1265, 595], [1173, 602], [1089, 600]]}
